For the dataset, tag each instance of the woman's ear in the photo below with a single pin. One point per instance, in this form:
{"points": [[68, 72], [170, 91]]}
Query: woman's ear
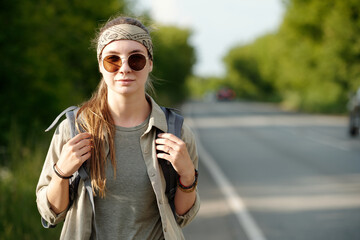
{"points": [[99, 63], [99, 67], [150, 65]]}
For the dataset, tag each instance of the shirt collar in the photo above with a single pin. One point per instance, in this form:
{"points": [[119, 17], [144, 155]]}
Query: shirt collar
{"points": [[157, 116], [157, 119]]}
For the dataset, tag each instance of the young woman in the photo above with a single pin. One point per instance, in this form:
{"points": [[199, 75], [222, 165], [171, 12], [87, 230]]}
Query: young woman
{"points": [[118, 142]]}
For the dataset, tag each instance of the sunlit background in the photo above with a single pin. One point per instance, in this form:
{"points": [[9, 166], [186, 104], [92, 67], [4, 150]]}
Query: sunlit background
{"points": [[217, 27], [267, 85]]}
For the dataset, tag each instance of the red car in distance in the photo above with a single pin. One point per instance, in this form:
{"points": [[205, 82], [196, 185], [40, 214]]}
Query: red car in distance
{"points": [[225, 94]]}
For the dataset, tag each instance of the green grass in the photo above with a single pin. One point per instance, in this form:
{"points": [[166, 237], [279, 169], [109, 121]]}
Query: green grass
{"points": [[19, 173]]}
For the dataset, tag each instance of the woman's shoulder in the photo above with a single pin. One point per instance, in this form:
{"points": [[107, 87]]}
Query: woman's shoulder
{"points": [[63, 130], [186, 133]]}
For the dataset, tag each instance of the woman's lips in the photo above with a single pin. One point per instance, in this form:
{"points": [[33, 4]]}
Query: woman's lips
{"points": [[124, 81]]}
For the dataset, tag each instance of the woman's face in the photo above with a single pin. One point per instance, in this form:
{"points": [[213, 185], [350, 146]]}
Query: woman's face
{"points": [[125, 81]]}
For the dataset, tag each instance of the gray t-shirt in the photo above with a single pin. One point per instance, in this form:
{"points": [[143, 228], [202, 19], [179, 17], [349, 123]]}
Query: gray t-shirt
{"points": [[129, 209]]}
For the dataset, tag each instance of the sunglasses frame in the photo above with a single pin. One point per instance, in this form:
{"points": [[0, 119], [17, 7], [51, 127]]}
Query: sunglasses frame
{"points": [[123, 60]]}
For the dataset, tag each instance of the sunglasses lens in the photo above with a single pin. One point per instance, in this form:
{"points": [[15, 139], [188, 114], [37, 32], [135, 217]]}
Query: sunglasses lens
{"points": [[112, 63], [137, 62]]}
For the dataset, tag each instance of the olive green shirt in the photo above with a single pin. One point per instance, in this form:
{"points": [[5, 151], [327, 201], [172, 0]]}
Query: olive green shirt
{"points": [[129, 209], [79, 217]]}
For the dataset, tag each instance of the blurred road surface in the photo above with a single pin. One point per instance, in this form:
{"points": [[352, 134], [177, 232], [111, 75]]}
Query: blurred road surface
{"points": [[282, 176]]}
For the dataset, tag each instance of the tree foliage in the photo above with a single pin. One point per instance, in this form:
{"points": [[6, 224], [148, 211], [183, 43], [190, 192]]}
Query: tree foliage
{"points": [[249, 69], [48, 63], [311, 63], [174, 58]]}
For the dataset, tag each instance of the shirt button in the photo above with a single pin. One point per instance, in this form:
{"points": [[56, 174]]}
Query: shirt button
{"points": [[165, 230], [152, 174], [160, 201]]}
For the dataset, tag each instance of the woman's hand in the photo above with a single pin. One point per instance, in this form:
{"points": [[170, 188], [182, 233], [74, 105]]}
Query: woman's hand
{"points": [[74, 153], [175, 151]]}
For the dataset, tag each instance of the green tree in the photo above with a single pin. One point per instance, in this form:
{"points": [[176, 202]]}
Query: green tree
{"points": [[174, 58], [46, 65], [311, 63], [46, 62], [249, 69], [321, 61]]}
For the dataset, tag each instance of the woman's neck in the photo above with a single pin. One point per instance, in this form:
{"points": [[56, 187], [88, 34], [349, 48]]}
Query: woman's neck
{"points": [[129, 111]]}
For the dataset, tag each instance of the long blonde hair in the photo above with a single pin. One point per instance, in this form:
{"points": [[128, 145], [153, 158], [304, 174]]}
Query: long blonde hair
{"points": [[97, 120]]}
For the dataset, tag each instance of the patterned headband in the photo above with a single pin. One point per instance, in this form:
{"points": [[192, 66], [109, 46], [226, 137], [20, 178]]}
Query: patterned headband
{"points": [[126, 32]]}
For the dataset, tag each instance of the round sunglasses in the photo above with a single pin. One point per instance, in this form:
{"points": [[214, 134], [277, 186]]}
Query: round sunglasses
{"points": [[112, 63]]}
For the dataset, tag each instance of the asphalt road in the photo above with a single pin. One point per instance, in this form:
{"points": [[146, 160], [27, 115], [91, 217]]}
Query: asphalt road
{"points": [[266, 174]]}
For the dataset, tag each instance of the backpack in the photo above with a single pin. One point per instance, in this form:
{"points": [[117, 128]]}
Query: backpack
{"points": [[174, 123]]}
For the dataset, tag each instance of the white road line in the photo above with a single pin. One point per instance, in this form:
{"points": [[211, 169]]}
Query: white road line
{"points": [[235, 202]]}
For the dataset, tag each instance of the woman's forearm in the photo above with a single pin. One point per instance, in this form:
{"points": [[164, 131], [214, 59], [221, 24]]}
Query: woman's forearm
{"points": [[74, 153], [58, 194], [184, 200]]}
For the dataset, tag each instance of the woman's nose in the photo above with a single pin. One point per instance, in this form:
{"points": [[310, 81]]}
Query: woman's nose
{"points": [[124, 66]]}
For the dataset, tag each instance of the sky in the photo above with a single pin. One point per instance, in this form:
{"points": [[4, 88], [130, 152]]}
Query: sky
{"points": [[217, 25]]}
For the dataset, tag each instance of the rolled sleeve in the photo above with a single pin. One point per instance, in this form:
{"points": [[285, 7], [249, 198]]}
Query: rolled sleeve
{"points": [[189, 139], [185, 219], [60, 137], [45, 211]]}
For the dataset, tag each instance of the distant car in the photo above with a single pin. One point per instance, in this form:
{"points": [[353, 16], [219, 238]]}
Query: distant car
{"points": [[354, 114], [225, 94]]}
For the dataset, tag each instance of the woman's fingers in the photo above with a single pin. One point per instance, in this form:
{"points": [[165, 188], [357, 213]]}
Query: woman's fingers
{"points": [[84, 144], [81, 144], [174, 151], [173, 148], [76, 151], [165, 156], [79, 138], [84, 150], [169, 140], [170, 137], [85, 157], [163, 148]]}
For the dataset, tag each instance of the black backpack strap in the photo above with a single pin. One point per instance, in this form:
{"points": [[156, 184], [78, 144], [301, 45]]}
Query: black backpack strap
{"points": [[174, 123]]}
